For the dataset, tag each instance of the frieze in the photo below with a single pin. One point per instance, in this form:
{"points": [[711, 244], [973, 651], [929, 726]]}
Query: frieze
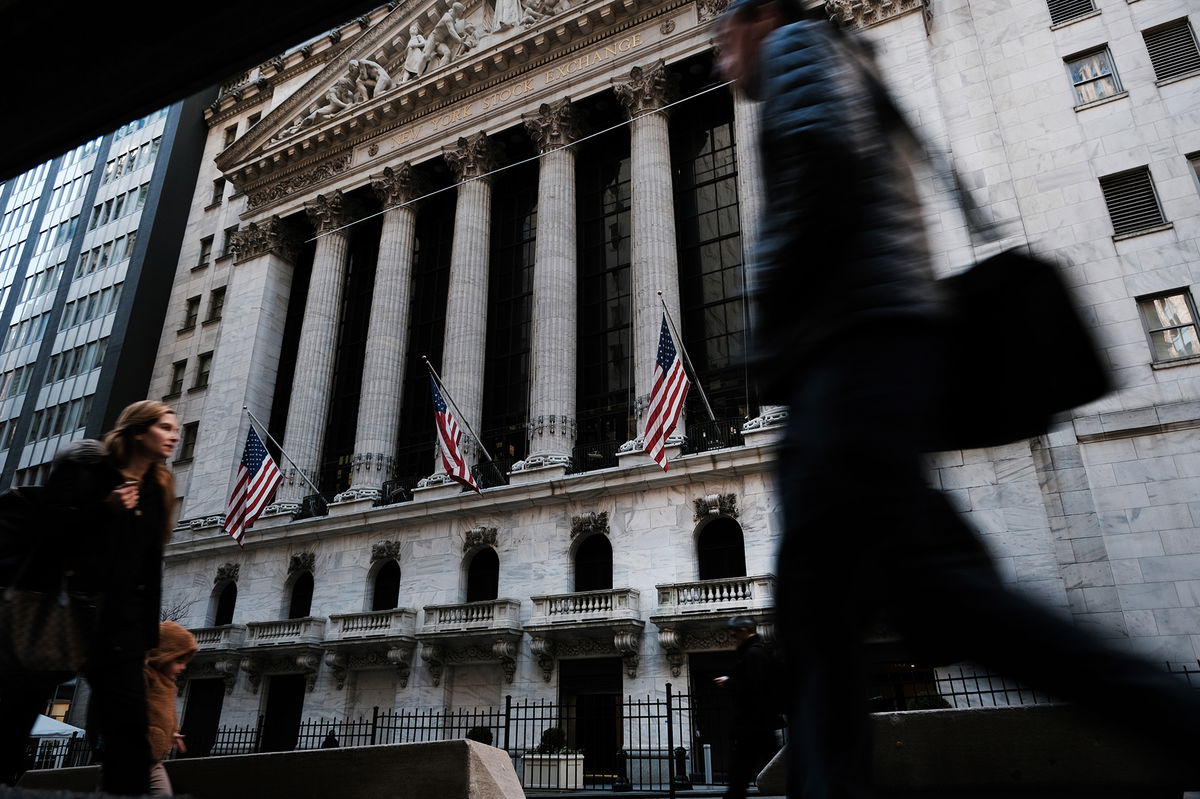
{"points": [[282, 189], [865, 13], [588, 523], [710, 9]]}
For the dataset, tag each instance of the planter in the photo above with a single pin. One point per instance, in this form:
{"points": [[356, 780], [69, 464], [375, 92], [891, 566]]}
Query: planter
{"points": [[552, 771]]}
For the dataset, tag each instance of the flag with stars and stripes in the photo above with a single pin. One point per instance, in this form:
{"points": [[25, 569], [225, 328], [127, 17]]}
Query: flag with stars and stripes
{"points": [[257, 479], [449, 437], [666, 397]]}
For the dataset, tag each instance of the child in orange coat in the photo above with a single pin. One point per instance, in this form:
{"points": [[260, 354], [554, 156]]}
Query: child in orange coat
{"points": [[176, 646]]}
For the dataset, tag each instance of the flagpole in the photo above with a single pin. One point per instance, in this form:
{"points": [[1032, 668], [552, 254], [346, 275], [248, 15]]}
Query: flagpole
{"points": [[446, 394], [679, 340], [263, 428]]}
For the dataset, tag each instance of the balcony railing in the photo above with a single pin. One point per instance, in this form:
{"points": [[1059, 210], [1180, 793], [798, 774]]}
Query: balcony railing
{"points": [[491, 614], [717, 595], [226, 636], [374, 624], [615, 603], [596, 455], [704, 435], [308, 630]]}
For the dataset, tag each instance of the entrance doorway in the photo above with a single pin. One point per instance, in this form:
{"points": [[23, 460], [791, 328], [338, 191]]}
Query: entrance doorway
{"points": [[202, 716], [590, 691], [712, 715], [281, 717]]}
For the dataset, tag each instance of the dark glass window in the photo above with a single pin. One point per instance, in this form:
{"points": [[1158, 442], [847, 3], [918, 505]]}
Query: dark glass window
{"points": [[510, 311], [720, 550], [483, 576], [594, 564], [604, 380], [387, 587], [226, 601], [302, 592]]}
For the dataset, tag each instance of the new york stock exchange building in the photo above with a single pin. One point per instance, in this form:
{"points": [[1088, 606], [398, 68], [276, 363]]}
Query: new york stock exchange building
{"points": [[514, 196]]}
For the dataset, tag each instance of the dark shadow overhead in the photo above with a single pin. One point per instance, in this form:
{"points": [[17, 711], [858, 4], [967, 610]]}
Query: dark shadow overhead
{"points": [[79, 70]]}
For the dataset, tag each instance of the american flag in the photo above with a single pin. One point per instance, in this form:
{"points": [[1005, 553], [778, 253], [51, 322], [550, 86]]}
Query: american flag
{"points": [[257, 479], [666, 397], [448, 437]]}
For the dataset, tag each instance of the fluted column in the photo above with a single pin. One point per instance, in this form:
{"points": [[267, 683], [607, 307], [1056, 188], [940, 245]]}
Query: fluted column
{"points": [[387, 335], [465, 343], [653, 253], [750, 204], [246, 361], [552, 425], [309, 409]]}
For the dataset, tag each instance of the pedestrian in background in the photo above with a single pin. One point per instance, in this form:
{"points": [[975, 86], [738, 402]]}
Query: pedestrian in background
{"points": [[108, 512], [164, 664], [847, 330], [756, 706]]}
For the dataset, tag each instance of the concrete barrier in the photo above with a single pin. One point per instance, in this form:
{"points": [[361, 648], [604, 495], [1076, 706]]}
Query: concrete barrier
{"points": [[458, 769], [1034, 751]]}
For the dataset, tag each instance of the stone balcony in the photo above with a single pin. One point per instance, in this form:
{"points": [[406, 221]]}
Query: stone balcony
{"points": [[377, 639], [219, 654], [586, 623], [284, 646], [695, 615], [471, 632]]}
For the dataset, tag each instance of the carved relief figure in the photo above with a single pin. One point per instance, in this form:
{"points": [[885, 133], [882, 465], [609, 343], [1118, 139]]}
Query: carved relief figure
{"points": [[445, 41], [414, 65], [340, 96], [508, 15], [370, 79], [538, 10]]}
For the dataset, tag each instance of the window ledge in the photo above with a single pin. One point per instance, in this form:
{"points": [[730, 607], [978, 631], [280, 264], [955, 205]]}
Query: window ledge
{"points": [[1095, 12], [1118, 96], [172, 395], [198, 389], [1171, 364], [210, 322], [211, 206], [1133, 234], [186, 329], [181, 461], [1176, 78], [224, 257], [198, 267]]}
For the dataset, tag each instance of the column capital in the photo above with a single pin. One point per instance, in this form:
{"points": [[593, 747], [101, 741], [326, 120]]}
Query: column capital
{"points": [[554, 125], [650, 88], [331, 211], [269, 236], [472, 156], [397, 186]]}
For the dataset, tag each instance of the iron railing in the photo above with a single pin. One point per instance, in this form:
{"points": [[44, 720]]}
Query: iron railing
{"points": [[704, 435]]}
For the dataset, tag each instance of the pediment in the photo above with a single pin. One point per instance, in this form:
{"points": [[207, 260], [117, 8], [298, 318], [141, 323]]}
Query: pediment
{"points": [[376, 83]]}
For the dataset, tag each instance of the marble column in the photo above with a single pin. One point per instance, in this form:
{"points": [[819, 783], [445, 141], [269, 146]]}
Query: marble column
{"points": [[387, 335], [654, 255], [552, 424], [246, 362], [746, 122], [315, 354], [465, 346]]}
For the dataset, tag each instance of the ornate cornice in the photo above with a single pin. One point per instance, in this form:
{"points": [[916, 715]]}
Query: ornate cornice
{"points": [[555, 124], [300, 182], [865, 13], [710, 9], [649, 88], [268, 236]]}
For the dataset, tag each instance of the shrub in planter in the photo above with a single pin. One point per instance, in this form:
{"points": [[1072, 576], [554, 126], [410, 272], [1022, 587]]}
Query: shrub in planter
{"points": [[481, 734], [554, 742]]}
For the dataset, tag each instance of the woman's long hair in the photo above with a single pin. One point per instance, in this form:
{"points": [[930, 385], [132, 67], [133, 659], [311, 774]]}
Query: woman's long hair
{"points": [[119, 442]]}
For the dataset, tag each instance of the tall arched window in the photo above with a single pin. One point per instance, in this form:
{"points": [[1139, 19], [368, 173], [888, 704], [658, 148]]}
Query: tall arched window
{"points": [[483, 576], [226, 600], [386, 594], [302, 591], [594, 564], [720, 550]]}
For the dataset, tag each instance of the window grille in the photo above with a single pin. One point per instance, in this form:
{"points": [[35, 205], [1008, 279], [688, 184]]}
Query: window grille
{"points": [[1132, 201], [1172, 49], [1063, 10]]}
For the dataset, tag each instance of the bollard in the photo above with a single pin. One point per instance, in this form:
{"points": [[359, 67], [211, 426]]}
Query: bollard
{"points": [[681, 779], [621, 783], [708, 773]]}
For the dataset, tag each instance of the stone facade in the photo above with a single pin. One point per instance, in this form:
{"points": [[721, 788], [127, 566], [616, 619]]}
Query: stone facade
{"points": [[1100, 518]]}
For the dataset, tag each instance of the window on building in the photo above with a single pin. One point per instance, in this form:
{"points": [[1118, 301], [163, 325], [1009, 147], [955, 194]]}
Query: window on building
{"points": [[720, 550], [178, 370], [594, 564], [187, 441], [230, 134], [191, 312], [226, 600], [1170, 323], [483, 576], [386, 592], [218, 192], [1194, 161], [1063, 10], [1132, 202], [1172, 48], [252, 120], [203, 370], [300, 604], [227, 244], [1093, 76], [216, 304], [206, 247]]}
